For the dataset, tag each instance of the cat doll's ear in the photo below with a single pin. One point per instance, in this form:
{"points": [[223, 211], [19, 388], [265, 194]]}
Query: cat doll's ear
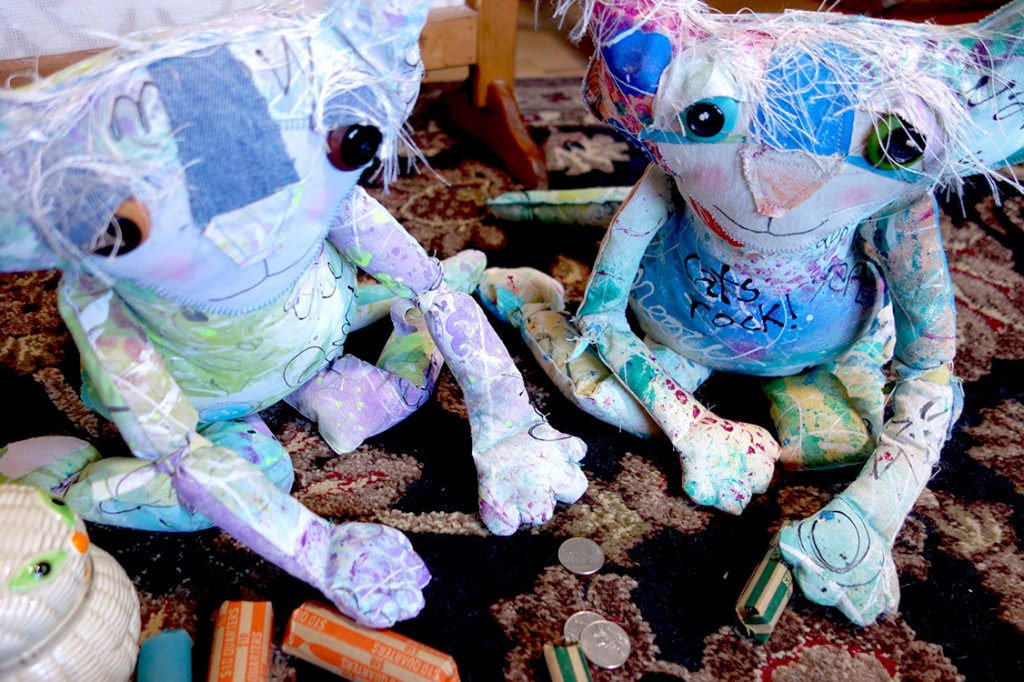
{"points": [[383, 31], [635, 41], [634, 44], [21, 246], [636, 58], [990, 83]]}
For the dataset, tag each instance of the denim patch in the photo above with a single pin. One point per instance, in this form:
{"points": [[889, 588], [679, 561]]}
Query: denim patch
{"points": [[807, 103], [229, 145]]}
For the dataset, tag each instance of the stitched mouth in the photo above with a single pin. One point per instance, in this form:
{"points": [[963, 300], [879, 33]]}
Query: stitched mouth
{"points": [[709, 219], [768, 227]]}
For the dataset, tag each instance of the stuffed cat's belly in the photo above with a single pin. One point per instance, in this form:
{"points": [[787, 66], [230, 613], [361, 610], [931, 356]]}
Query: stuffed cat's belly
{"points": [[234, 365], [766, 315]]}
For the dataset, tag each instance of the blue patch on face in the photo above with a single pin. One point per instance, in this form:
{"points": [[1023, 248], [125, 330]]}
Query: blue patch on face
{"points": [[637, 59], [230, 147], [810, 107]]}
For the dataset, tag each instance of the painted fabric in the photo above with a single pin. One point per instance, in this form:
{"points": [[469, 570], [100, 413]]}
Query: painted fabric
{"points": [[198, 189], [592, 207], [673, 569], [788, 207]]}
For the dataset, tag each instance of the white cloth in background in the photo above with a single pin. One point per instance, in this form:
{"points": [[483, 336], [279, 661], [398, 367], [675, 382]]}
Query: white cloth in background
{"points": [[30, 28]]}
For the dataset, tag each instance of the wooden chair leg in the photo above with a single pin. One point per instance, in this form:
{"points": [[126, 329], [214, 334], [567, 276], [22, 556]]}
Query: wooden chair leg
{"points": [[500, 125]]}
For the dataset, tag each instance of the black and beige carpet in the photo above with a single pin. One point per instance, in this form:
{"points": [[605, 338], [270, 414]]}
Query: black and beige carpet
{"points": [[673, 570]]}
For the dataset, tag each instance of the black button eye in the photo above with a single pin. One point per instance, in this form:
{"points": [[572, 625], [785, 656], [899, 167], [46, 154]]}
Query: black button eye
{"points": [[352, 147], [705, 119], [42, 569], [127, 229], [710, 120], [894, 144], [121, 236]]}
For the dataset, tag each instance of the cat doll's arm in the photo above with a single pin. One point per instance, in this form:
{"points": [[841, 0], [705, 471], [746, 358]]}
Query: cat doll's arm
{"points": [[160, 425], [602, 315], [842, 555], [927, 397], [724, 462], [523, 465]]}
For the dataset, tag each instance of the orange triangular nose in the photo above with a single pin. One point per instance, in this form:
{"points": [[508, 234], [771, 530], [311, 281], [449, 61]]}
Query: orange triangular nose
{"points": [[781, 180]]}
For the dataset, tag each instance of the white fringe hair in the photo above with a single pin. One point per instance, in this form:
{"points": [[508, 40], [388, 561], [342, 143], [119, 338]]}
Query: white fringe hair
{"points": [[35, 120], [894, 58]]}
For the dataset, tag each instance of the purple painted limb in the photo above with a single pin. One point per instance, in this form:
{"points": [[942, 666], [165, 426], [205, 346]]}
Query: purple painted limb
{"points": [[496, 397], [495, 394], [353, 400], [369, 572], [373, 240], [523, 465]]}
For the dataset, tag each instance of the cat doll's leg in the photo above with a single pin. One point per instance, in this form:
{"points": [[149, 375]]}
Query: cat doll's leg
{"points": [[532, 302], [831, 415], [524, 466], [133, 493], [842, 555], [352, 400]]}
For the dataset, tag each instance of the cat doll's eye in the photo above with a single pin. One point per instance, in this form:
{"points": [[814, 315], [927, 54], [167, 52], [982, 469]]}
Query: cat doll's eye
{"points": [[352, 147], [127, 229], [710, 120], [894, 144]]}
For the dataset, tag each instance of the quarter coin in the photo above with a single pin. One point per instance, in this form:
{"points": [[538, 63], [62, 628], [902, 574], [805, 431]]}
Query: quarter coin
{"points": [[575, 623], [581, 555], [605, 644]]}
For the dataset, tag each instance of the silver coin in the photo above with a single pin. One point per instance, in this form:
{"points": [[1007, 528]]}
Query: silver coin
{"points": [[575, 623], [605, 644], [581, 556]]}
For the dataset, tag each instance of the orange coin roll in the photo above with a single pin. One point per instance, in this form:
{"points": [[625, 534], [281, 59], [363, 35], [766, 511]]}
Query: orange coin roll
{"points": [[322, 636], [241, 642]]}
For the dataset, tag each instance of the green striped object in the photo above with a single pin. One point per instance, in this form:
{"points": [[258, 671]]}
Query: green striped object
{"points": [[765, 595], [566, 663], [591, 206]]}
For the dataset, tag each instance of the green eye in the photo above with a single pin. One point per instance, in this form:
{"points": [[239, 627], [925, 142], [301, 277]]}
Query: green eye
{"points": [[39, 571], [894, 144], [58, 505], [710, 120]]}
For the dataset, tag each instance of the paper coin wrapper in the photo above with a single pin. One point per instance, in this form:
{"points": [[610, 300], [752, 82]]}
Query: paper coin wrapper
{"points": [[766, 594], [241, 642], [566, 663], [324, 637]]}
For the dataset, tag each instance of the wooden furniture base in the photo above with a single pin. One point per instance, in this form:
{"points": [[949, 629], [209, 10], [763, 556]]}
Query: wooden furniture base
{"points": [[482, 35], [499, 124]]}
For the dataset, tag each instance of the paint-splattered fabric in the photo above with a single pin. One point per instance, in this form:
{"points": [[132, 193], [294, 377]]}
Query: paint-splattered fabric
{"points": [[787, 207], [199, 190]]}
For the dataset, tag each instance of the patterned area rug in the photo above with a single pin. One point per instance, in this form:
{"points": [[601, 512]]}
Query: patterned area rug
{"points": [[673, 570]]}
